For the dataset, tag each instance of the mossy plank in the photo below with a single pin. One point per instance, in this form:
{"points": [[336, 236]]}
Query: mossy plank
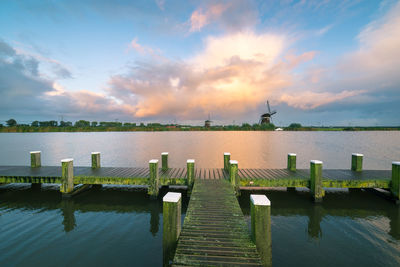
{"points": [[215, 222]]}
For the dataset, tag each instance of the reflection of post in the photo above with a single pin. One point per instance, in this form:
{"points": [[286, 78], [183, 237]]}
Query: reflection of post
{"points": [[67, 209], [394, 217], [172, 205], [154, 217], [314, 222], [260, 209]]}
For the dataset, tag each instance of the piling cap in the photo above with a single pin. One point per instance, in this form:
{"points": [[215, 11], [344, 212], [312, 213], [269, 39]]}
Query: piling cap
{"points": [[396, 163], [95, 153], [233, 162], [67, 160], [190, 161], [316, 161], [260, 200], [164, 153], [292, 154], [153, 161], [34, 152], [172, 197], [357, 154], [227, 154]]}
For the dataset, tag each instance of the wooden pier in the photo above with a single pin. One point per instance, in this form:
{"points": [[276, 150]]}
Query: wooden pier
{"points": [[214, 230]]}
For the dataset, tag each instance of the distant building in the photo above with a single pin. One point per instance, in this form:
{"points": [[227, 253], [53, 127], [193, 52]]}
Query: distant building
{"points": [[207, 124]]}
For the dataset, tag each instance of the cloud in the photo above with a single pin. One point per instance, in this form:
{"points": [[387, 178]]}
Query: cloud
{"points": [[231, 15], [160, 4], [232, 75], [311, 100], [200, 17], [142, 49]]}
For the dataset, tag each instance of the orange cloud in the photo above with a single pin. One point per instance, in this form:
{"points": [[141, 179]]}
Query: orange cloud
{"points": [[232, 75], [200, 17]]}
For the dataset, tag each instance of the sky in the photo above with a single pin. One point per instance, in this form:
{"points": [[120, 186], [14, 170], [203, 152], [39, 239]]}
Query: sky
{"points": [[317, 62]]}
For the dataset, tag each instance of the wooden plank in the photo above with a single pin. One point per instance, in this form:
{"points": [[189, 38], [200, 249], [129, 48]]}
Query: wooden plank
{"points": [[214, 221]]}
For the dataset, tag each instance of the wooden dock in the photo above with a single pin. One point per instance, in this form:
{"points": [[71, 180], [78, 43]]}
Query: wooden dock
{"points": [[214, 230], [178, 176]]}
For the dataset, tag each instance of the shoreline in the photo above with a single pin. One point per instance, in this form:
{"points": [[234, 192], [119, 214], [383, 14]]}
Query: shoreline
{"points": [[29, 129]]}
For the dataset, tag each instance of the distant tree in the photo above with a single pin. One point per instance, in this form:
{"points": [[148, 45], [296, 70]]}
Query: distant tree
{"points": [[82, 123], [11, 122], [295, 125], [94, 123], [1, 125], [246, 126], [142, 124], [35, 124]]}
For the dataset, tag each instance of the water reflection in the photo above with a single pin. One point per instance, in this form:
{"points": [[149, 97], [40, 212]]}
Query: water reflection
{"points": [[107, 199], [353, 205]]}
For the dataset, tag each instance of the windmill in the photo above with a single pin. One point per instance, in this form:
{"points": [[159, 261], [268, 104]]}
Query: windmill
{"points": [[207, 123], [267, 117]]}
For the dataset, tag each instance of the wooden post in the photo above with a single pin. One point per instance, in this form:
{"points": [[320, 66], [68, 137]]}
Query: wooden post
{"points": [[316, 180], [227, 158], [36, 159], [67, 176], [172, 206], [291, 162], [190, 174], [356, 162], [95, 160], [164, 161], [234, 176], [395, 184], [260, 210], [154, 178]]}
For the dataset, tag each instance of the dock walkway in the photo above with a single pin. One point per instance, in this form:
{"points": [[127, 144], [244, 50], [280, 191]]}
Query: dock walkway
{"points": [[177, 176], [215, 231]]}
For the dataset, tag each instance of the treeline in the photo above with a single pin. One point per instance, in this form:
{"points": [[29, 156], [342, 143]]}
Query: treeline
{"points": [[87, 126]]}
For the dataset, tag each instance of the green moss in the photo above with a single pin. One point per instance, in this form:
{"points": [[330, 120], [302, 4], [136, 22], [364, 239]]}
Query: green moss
{"points": [[356, 163], [291, 163]]}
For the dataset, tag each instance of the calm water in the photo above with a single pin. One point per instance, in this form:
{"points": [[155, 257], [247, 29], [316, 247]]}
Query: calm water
{"points": [[120, 226]]}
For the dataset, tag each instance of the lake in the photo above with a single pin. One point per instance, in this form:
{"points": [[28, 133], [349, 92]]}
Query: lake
{"points": [[121, 226]]}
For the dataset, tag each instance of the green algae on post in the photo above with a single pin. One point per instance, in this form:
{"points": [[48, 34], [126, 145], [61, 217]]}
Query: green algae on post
{"points": [[164, 161], [260, 210], [36, 159], [154, 178], [190, 174], [291, 162], [316, 180], [172, 208], [234, 177], [356, 162], [395, 185], [67, 176], [227, 158], [95, 160]]}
